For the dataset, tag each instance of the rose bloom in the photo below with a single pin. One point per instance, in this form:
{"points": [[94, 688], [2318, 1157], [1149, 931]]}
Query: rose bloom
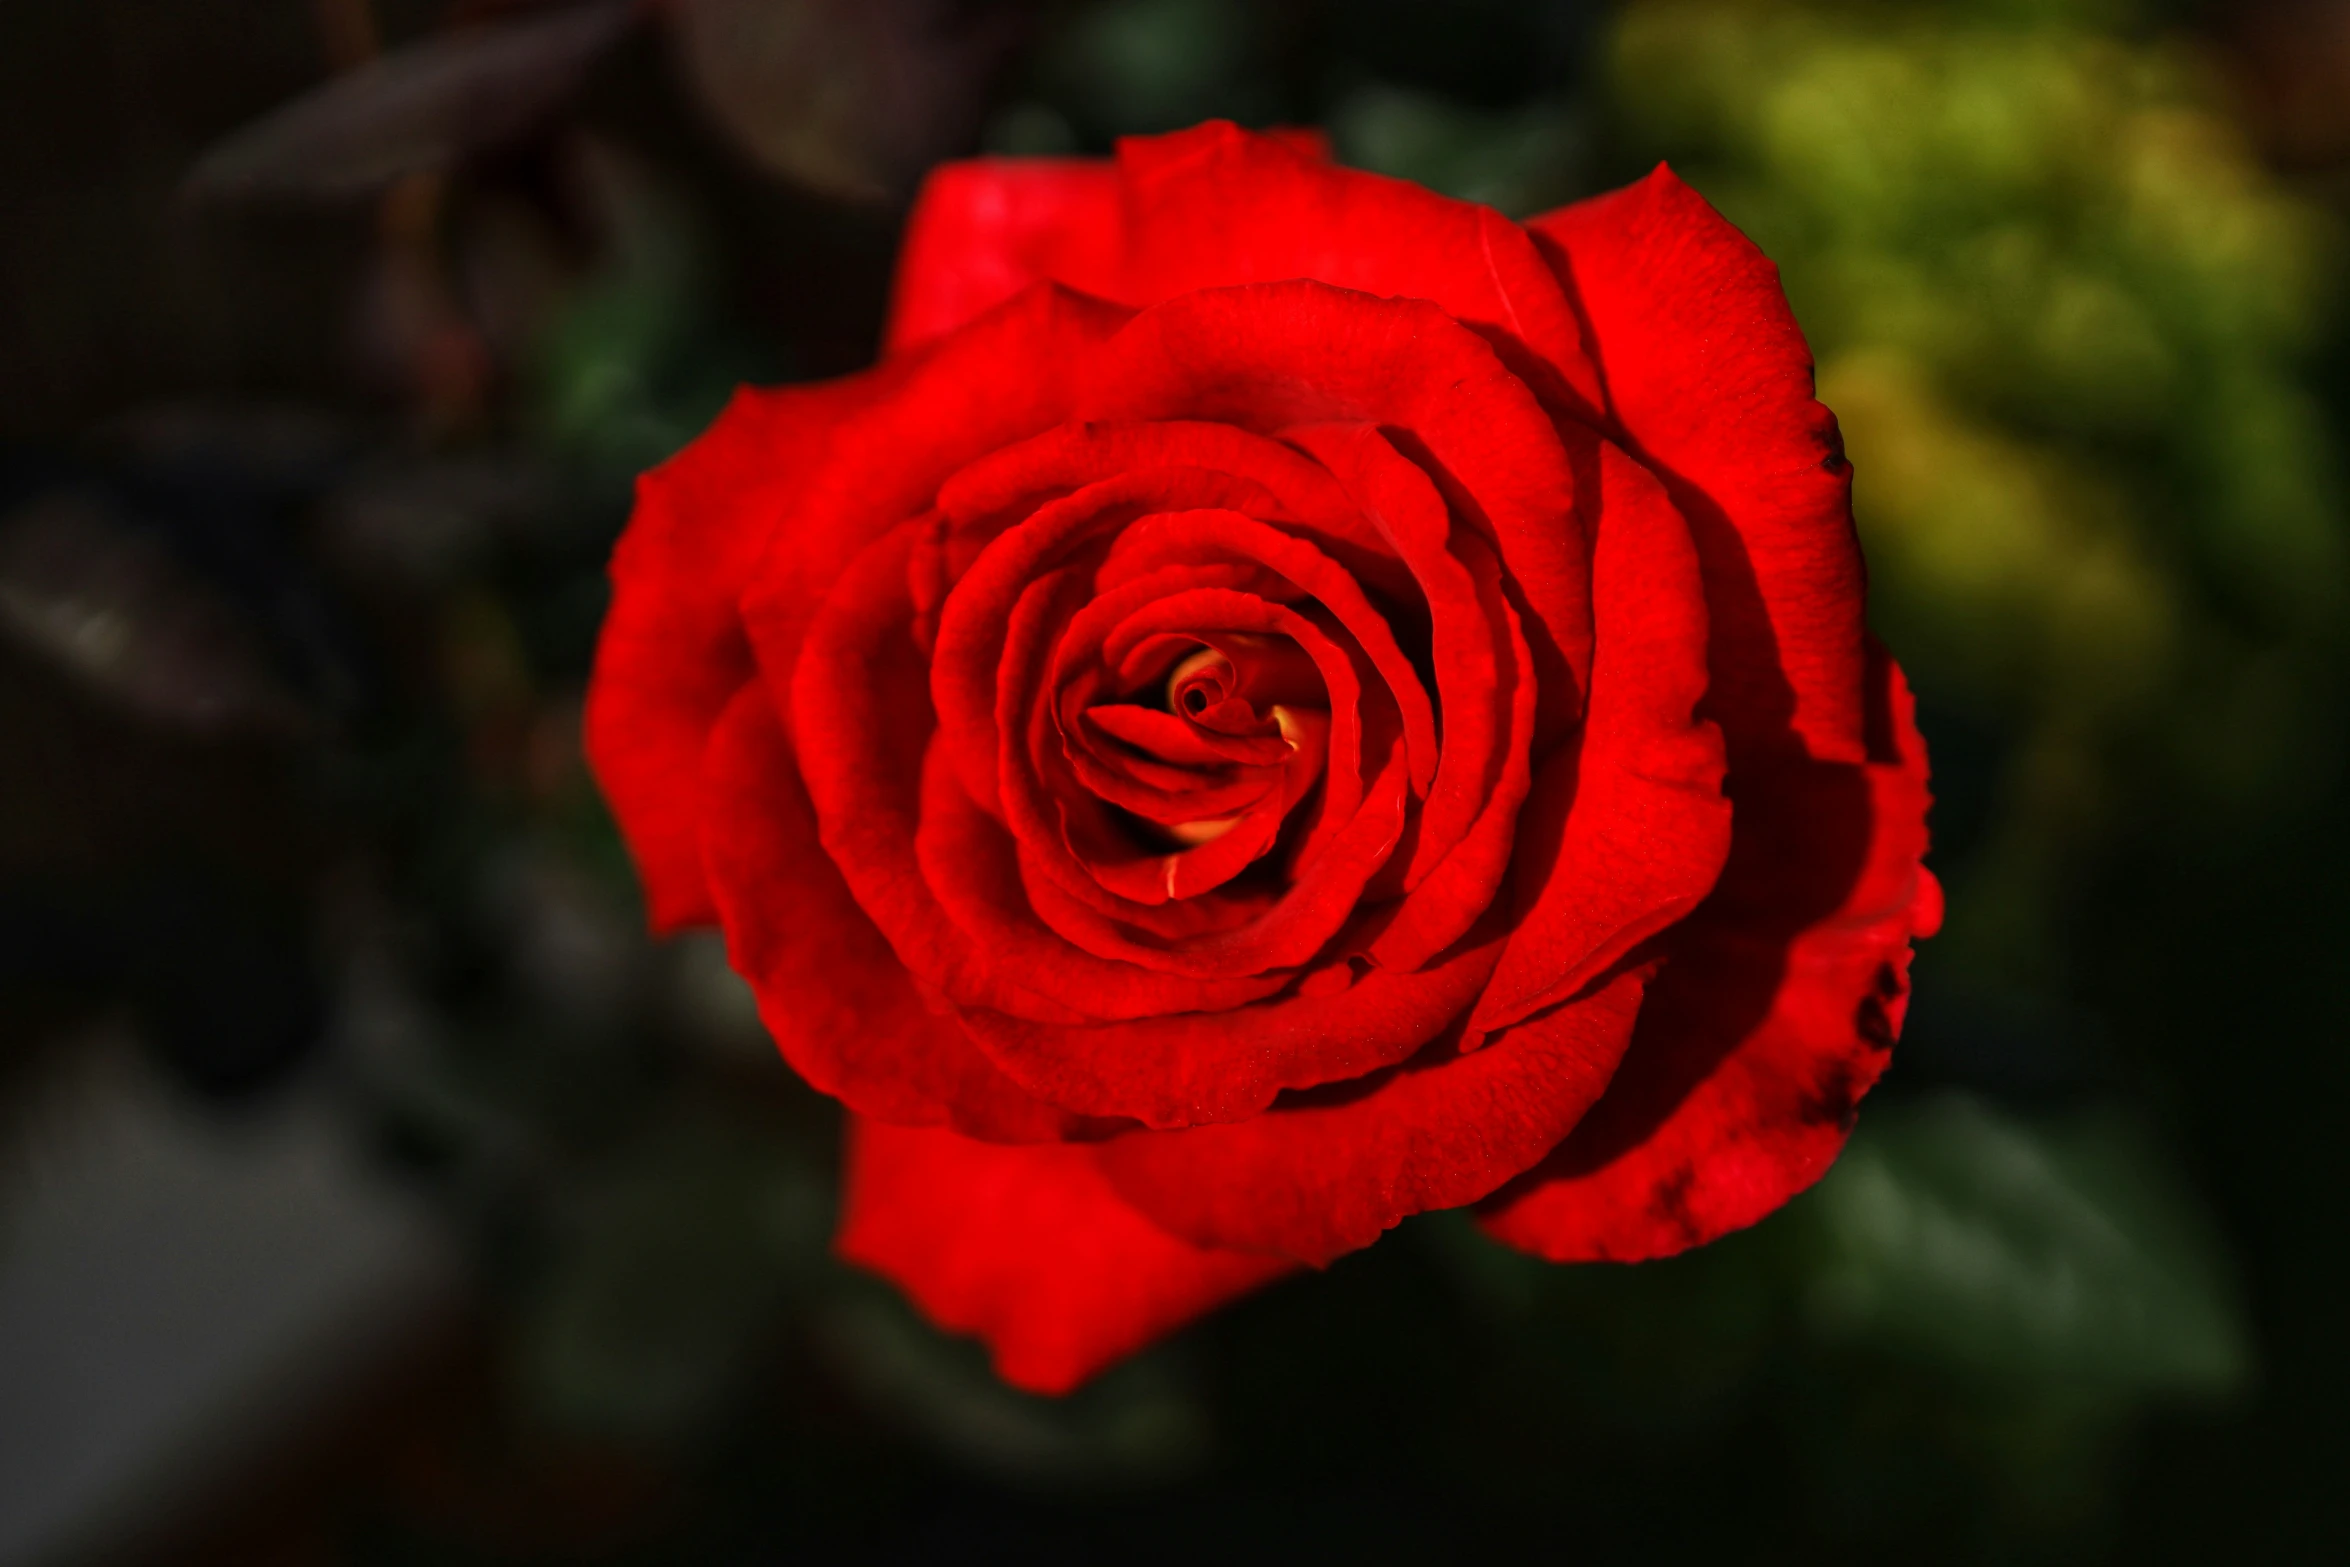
{"points": [[1283, 702]]}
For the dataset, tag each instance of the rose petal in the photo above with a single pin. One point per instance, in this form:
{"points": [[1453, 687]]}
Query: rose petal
{"points": [[861, 726], [1029, 1249], [1326, 1173], [1211, 535], [984, 230], [1269, 356], [1194, 1068], [1468, 646], [967, 677], [839, 1003], [1464, 883], [672, 651], [1775, 1013], [977, 871], [1001, 379], [1240, 753], [1171, 741], [1006, 487], [1127, 635], [1329, 877], [1216, 205], [935, 873], [1708, 376], [1627, 833], [1068, 837], [1460, 846]]}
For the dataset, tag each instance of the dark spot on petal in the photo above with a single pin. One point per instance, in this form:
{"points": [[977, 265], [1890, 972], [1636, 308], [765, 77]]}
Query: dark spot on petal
{"points": [[1670, 1205], [1835, 1098], [1873, 1024], [1873, 1021], [1832, 460]]}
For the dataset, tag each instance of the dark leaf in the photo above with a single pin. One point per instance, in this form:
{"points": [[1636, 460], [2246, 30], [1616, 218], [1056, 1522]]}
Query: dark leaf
{"points": [[850, 97], [420, 107], [114, 609], [2060, 1253]]}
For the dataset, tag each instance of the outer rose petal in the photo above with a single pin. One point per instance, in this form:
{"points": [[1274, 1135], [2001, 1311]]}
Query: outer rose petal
{"points": [[840, 1005], [1029, 1248], [1002, 379], [1216, 205], [1325, 1174], [1758, 1039], [1708, 375], [984, 230], [672, 651]]}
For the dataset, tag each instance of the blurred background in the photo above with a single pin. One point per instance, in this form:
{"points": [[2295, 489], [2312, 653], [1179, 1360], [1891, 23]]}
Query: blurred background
{"points": [[373, 1192]]}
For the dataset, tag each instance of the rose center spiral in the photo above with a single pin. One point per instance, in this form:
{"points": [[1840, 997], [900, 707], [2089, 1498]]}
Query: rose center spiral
{"points": [[1210, 757]]}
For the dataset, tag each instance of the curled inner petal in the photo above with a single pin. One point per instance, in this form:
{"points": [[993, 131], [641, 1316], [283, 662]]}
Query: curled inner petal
{"points": [[1244, 737], [1259, 697]]}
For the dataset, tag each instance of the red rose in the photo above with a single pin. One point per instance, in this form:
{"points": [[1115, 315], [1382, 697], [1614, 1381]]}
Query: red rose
{"points": [[1284, 701]]}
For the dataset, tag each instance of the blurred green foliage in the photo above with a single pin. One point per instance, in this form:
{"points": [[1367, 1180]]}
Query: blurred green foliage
{"points": [[2059, 1256], [632, 360], [1521, 161]]}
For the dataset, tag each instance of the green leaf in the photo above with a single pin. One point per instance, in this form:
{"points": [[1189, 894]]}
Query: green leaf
{"points": [[2058, 1252], [421, 107]]}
